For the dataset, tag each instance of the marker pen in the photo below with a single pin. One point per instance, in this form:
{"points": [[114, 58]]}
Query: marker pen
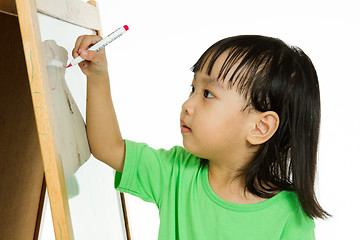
{"points": [[101, 44]]}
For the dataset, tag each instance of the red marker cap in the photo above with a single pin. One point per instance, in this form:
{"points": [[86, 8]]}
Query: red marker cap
{"points": [[126, 27]]}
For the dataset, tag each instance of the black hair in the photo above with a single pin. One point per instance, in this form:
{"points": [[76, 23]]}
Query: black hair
{"points": [[274, 76]]}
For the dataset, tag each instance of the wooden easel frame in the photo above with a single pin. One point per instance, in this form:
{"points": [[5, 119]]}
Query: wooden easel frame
{"points": [[87, 15]]}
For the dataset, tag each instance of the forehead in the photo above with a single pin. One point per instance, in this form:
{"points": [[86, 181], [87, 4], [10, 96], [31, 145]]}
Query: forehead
{"points": [[222, 69], [202, 77]]}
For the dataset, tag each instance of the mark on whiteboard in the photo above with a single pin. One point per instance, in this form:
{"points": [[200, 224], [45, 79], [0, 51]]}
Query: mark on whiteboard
{"points": [[60, 230], [78, 154], [32, 67], [36, 108], [79, 158], [54, 62], [51, 49], [69, 104], [66, 121]]}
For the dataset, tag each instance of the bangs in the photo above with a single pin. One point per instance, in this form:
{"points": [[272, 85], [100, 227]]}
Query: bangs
{"points": [[247, 60]]}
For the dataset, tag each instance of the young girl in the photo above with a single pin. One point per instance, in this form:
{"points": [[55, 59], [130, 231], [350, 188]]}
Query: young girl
{"points": [[250, 132]]}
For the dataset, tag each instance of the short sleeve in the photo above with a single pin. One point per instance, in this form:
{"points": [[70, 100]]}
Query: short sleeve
{"points": [[299, 227], [146, 171]]}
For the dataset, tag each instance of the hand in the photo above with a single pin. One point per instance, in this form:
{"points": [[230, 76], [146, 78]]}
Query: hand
{"points": [[95, 65]]}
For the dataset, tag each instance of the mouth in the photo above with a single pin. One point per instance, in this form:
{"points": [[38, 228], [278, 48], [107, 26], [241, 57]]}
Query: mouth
{"points": [[184, 127]]}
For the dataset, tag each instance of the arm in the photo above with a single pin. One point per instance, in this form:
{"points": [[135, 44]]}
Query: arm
{"points": [[106, 142]]}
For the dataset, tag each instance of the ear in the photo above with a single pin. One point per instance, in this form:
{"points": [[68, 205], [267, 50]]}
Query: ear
{"points": [[264, 127]]}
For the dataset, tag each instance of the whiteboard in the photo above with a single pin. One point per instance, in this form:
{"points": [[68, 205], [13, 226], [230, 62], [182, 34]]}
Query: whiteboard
{"points": [[94, 204]]}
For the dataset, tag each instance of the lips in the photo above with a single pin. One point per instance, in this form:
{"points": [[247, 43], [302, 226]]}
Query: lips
{"points": [[184, 127]]}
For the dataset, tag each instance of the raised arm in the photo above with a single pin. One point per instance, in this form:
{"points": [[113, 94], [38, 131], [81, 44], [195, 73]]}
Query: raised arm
{"points": [[106, 142]]}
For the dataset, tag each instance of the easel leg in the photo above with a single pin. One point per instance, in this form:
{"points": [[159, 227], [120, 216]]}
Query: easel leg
{"points": [[123, 205], [40, 210]]}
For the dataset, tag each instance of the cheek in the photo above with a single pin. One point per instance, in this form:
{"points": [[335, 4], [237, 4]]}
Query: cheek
{"points": [[219, 122], [231, 128], [216, 128]]}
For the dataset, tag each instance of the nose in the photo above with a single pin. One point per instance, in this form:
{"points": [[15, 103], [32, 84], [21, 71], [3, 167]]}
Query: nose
{"points": [[188, 106]]}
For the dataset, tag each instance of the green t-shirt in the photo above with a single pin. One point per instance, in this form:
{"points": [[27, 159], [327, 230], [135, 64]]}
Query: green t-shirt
{"points": [[189, 210]]}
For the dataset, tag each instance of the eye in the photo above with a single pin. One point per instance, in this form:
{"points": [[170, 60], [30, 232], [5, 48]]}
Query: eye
{"points": [[208, 94]]}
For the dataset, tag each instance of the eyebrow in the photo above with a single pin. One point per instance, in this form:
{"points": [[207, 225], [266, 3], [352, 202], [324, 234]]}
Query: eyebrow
{"points": [[210, 80]]}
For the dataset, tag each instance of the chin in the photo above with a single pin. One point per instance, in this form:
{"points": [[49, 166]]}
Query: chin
{"points": [[193, 150], [189, 148]]}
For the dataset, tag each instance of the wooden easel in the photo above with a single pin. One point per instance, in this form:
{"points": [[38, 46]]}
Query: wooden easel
{"points": [[27, 152]]}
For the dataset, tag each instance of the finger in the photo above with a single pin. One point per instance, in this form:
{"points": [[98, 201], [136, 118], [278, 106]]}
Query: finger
{"points": [[88, 41], [84, 42], [75, 52]]}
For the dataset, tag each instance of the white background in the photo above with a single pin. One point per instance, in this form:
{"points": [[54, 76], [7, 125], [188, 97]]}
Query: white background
{"points": [[150, 76]]}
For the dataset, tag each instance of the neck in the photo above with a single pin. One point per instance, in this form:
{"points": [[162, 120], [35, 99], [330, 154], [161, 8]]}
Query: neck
{"points": [[225, 177], [226, 184], [224, 169]]}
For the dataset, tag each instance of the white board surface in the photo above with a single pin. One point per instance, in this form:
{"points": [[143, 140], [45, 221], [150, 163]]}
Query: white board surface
{"points": [[95, 207]]}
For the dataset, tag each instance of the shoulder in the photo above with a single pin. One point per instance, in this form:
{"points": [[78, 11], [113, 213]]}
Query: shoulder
{"points": [[133, 147], [297, 225], [176, 155], [149, 173]]}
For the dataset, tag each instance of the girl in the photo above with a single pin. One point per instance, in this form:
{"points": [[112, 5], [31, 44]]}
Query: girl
{"points": [[250, 132]]}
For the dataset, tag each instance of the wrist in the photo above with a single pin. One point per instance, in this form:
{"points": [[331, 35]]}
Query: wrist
{"points": [[98, 78]]}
